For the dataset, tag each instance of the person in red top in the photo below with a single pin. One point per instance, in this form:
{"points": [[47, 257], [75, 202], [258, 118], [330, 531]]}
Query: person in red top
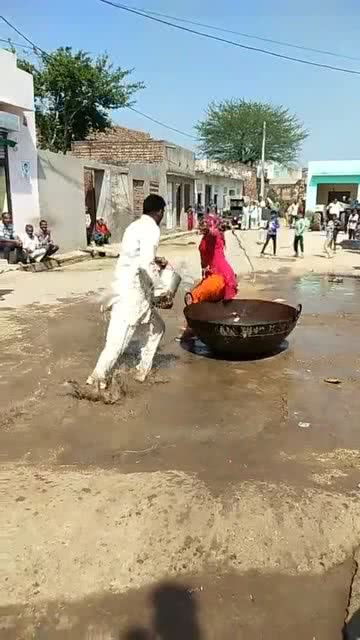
{"points": [[219, 281], [190, 218], [102, 233]]}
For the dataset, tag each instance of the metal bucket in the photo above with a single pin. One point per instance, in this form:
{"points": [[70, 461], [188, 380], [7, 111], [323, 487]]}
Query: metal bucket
{"points": [[166, 290], [169, 281]]}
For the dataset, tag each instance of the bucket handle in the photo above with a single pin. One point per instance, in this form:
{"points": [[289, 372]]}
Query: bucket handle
{"points": [[298, 311]]}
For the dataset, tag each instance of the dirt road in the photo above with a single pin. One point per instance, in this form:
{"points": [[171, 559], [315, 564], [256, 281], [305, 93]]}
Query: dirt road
{"points": [[195, 508]]}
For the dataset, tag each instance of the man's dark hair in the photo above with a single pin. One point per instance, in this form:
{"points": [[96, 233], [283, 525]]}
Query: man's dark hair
{"points": [[153, 204], [42, 221]]}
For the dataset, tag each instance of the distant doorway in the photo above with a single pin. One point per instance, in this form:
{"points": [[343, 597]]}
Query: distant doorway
{"points": [[207, 195], [169, 206], [187, 202], [339, 195], [178, 205], [5, 195], [93, 183]]}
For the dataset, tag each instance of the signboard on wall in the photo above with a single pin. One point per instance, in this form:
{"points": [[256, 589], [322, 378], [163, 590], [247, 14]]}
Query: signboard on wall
{"points": [[9, 121]]}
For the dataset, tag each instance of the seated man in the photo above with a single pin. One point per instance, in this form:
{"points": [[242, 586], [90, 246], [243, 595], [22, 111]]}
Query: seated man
{"points": [[10, 244], [45, 240], [101, 233], [32, 250]]}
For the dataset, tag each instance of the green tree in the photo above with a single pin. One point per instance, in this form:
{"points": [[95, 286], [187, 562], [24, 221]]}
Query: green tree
{"points": [[74, 95], [232, 132]]}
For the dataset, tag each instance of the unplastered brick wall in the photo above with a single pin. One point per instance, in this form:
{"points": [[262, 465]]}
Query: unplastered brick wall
{"points": [[250, 184], [121, 134], [123, 153], [121, 146]]}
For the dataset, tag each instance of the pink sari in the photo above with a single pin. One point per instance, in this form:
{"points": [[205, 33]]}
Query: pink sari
{"points": [[212, 253]]}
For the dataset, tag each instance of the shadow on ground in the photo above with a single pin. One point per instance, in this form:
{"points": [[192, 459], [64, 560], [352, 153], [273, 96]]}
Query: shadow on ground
{"points": [[174, 616]]}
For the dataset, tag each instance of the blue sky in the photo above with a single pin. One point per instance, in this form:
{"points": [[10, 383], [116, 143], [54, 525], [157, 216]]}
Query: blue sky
{"points": [[183, 72]]}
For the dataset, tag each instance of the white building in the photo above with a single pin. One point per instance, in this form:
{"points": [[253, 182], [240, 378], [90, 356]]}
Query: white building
{"points": [[331, 179], [18, 155], [216, 184]]}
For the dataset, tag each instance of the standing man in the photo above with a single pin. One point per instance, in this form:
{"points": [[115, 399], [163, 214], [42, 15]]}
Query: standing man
{"points": [[291, 213], [299, 235], [334, 209], [246, 217], [136, 275], [353, 223], [253, 214]]}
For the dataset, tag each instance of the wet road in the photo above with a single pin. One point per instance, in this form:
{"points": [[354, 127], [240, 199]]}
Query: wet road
{"points": [[205, 477]]}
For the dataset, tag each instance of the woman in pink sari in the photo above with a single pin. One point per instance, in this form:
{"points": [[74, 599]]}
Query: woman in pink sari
{"points": [[213, 263]]}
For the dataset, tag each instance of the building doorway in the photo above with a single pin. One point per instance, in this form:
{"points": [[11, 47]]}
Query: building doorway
{"points": [[207, 195], [178, 205], [169, 205], [187, 202], [339, 195], [93, 183], [5, 194]]}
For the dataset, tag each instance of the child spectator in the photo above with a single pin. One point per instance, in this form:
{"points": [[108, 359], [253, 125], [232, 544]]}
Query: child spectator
{"points": [[330, 226], [272, 229], [101, 233], [299, 235]]}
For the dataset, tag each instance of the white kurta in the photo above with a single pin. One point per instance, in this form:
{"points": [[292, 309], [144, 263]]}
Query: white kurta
{"points": [[131, 303], [246, 217], [32, 247]]}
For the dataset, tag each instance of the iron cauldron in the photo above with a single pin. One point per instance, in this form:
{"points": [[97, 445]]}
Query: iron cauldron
{"points": [[242, 328]]}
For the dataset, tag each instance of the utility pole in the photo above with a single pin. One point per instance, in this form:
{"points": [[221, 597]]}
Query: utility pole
{"points": [[262, 187]]}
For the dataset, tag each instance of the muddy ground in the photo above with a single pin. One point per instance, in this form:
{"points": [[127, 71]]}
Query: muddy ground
{"points": [[196, 508]]}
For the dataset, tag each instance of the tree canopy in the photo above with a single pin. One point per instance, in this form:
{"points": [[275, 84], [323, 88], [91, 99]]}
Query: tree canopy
{"points": [[74, 95], [232, 132]]}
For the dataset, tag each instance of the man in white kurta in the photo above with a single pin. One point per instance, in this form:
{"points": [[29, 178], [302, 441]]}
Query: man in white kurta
{"points": [[136, 275]]}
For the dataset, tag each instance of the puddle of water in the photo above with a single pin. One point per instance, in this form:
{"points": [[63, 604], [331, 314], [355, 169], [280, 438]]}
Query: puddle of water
{"points": [[319, 295]]}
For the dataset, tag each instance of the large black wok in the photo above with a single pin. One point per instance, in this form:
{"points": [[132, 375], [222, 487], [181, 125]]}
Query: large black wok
{"points": [[242, 328]]}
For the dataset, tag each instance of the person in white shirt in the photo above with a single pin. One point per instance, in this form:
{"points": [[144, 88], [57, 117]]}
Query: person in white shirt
{"points": [[258, 214], [335, 208], [136, 276], [291, 213], [253, 211], [352, 224], [246, 217], [32, 249]]}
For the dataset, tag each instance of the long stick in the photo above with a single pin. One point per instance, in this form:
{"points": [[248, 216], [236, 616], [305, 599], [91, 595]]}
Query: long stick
{"points": [[246, 255]]}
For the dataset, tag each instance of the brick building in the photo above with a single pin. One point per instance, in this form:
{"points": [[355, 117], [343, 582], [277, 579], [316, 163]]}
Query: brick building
{"points": [[154, 166], [286, 184]]}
